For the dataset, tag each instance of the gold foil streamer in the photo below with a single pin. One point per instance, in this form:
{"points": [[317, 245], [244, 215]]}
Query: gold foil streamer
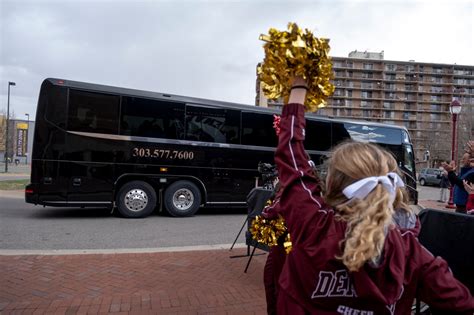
{"points": [[296, 53], [268, 231], [287, 244]]}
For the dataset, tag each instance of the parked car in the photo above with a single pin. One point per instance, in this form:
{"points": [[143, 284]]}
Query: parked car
{"points": [[429, 176]]}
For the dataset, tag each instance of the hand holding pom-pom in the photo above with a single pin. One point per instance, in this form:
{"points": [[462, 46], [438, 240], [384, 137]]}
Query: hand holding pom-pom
{"points": [[294, 53]]}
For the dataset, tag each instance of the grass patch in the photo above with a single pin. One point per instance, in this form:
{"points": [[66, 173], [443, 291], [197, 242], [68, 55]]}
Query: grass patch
{"points": [[13, 184]]}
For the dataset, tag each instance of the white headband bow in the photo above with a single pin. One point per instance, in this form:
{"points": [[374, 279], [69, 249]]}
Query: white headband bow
{"points": [[361, 188]]}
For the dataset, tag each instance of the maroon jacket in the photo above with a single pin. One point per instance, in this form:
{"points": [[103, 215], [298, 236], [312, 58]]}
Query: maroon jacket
{"points": [[314, 281]]}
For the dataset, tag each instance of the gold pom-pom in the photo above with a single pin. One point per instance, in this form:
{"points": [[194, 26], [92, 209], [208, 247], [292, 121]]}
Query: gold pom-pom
{"points": [[267, 231], [293, 53], [287, 244]]}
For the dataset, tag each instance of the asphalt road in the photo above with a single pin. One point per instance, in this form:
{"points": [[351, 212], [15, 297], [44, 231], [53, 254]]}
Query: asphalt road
{"points": [[29, 227]]}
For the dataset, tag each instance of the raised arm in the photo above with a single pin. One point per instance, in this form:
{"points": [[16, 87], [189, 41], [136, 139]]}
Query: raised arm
{"points": [[301, 187]]}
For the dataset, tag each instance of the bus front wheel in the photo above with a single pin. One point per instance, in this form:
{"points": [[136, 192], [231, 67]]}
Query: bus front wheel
{"points": [[182, 199], [136, 199]]}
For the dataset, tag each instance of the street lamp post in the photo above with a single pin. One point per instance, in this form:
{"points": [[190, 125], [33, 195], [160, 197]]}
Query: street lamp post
{"points": [[27, 133], [455, 109], [8, 122]]}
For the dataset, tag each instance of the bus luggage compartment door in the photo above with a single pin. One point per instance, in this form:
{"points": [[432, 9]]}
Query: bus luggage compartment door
{"points": [[51, 182]]}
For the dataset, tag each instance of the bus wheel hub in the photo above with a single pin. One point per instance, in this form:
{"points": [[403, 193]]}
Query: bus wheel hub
{"points": [[136, 200], [183, 199]]}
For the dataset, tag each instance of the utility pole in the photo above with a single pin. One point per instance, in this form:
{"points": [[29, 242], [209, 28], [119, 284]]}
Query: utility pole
{"points": [[8, 122]]}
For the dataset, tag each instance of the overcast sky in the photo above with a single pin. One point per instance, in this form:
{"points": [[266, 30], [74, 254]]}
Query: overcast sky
{"points": [[207, 49]]}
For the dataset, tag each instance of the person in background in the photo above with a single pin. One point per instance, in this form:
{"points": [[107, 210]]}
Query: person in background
{"points": [[348, 257], [469, 187], [465, 173], [444, 184]]}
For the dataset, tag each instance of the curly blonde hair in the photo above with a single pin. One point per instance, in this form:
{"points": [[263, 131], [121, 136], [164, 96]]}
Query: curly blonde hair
{"points": [[401, 201], [366, 218]]}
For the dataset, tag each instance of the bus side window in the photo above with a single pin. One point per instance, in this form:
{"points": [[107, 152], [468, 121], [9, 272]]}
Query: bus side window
{"points": [[93, 112], [143, 117], [257, 129], [218, 125], [318, 135]]}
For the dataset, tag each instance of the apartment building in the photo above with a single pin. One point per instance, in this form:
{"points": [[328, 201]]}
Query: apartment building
{"points": [[412, 94]]}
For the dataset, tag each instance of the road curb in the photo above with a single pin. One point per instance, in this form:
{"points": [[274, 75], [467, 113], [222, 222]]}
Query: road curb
{"points": [[60, 252]]}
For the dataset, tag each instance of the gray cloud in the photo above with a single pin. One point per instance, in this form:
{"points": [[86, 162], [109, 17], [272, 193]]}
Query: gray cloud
{"points": [[206, 49]]}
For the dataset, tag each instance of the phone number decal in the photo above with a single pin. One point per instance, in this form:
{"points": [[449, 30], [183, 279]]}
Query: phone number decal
{"points": [[163, 154]]}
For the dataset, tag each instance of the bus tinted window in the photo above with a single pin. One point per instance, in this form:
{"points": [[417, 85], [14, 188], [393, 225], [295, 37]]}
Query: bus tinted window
{"points": [[93, 112], [212, 124], [318, 135], [369, 133], [152, 118], [257, 129], [56, 103]]}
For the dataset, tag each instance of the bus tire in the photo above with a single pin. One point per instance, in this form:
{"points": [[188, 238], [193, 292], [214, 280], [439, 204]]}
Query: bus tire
{"points": [[182, 199], [136, 199]]}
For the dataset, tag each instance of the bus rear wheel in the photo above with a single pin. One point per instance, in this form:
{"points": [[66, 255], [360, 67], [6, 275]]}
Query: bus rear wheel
{"points": [[136, 199], [182, 199]]}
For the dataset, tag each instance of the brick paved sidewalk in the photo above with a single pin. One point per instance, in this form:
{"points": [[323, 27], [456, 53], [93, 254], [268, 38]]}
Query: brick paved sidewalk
{"points": [[433, 204], [195, 282]]}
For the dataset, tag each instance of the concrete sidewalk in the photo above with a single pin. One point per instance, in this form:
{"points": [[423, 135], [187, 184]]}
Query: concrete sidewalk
{"points": [[192, 282]]}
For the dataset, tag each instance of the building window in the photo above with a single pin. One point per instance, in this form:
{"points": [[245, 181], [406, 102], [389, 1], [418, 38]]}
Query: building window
{"points": [[348, 103], [434, 117], [366, 94], [350, 64], [389, 114], [349, 93], [390, 67], [367, 85], [366, 104], [367, 113], [389, 95], [390, 86], [390, 76], [368, 66], [388, 105]]}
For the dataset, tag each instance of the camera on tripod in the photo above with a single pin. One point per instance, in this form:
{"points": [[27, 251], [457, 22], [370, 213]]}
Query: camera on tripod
{"points": [[269, 173]]}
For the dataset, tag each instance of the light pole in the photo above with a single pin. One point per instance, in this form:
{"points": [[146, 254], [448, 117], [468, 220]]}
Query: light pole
{"points": [[8, 122], [455, 109], [27, 132]]}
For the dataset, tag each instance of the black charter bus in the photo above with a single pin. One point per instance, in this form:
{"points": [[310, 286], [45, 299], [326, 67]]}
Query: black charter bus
{"points": [[103, 146]]}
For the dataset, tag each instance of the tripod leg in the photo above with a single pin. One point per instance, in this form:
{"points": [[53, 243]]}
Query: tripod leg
{"points": [[250, 259], [238, 234]]}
